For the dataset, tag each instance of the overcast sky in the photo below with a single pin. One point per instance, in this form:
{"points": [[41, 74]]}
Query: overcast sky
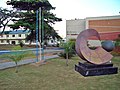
{"points": [[71, 9]]}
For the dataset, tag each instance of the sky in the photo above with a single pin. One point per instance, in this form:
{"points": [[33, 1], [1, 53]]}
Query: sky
{"points": [[79, 9]]}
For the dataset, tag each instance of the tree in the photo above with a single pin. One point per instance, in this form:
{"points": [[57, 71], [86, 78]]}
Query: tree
{"points": [[27, 18], [117, 41], [5, 17], [16, 55], [68, 51]]}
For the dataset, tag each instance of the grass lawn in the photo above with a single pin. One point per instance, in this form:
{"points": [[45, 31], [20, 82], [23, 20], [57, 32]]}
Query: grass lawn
{"points": [[56, 76]]}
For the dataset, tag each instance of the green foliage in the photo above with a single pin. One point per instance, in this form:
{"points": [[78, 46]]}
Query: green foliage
{"points": [[72, 43], [21, 43], [116, 51], [70, 55], [16, 55], [28, 19], [16, 48], [69, 49], [5, 17], [117, 42]]}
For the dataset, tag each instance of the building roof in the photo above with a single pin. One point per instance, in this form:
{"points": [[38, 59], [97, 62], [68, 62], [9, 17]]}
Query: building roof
{"points": [[17, 32]]}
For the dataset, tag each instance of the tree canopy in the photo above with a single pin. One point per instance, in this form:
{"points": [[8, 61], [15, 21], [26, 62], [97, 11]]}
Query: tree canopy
{"points": [[5, 17], [27, 16]]}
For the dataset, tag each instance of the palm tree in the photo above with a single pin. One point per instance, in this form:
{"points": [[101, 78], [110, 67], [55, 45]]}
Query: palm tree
{"points": [[67, 49], [16, 55]]}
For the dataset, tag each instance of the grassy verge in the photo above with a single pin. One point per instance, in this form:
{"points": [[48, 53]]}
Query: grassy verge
{"points": [[9, 47], [55, 75]]}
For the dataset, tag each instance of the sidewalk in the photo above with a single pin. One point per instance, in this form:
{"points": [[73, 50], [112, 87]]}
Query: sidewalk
{"points": [[22, 62]]}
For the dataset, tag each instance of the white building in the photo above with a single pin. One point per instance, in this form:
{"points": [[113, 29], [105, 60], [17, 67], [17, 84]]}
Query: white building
{"points": [[52, 42], [14, 37]]}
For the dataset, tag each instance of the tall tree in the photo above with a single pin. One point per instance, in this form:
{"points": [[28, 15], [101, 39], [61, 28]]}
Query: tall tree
{"points": [[5, 17], [27, 18]]}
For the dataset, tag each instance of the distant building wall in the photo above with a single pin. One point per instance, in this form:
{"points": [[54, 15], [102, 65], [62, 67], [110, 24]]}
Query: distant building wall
{"points": [[107, 26], [74, 27], [104, 24], [14, 37]]}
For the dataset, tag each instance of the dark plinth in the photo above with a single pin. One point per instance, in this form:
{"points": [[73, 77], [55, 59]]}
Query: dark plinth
{"points": [[87, 69]]}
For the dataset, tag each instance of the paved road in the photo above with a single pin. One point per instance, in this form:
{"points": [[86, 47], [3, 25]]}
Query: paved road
{"points": [[12, 64], [33, 49]]}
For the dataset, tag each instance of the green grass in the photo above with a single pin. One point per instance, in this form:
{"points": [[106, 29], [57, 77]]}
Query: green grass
{"points": [[10, 47], [56, 76]]}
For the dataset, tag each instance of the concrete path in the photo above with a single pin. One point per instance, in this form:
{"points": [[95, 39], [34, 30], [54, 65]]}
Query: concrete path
{"points": [[22, 62]]}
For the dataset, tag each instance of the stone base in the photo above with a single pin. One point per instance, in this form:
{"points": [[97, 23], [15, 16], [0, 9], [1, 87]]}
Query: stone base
{"points": [[87, 69]]}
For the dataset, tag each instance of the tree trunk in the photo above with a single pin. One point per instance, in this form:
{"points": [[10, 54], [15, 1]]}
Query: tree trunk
{"points": [[66, 59], [3, 28], [16, 67], [30, 42]]}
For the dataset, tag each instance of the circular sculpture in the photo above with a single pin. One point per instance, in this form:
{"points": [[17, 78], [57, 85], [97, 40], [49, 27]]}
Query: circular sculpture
{"points": [[97, 56], [108, 45]]}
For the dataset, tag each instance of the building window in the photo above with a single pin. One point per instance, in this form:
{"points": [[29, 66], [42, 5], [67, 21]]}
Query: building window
{"points": [[13, 35], [1, 35], [13, 42], [26, 35], [2, 41], [8, 41], [19, 35], [51, 41], [7, 35], [26, 41]]}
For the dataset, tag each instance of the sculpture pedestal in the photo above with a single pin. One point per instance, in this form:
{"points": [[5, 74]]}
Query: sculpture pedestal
{"points": [[87, 69]]}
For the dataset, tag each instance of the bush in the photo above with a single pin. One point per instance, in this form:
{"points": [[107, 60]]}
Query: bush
{"points": [[116, 51], [21, 43], [69, 47], [64, 55], [15, 56], [117, 42]]}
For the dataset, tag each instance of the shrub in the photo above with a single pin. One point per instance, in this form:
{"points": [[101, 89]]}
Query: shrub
{"points": [[69, 50], [21, 43], [64, 55], [15, 56], [117, 42]]}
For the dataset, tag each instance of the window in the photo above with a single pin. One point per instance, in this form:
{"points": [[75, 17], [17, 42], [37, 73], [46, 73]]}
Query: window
{"points": [[7, 35], [8, 41], [25, 35], [13, 35], [19, 35], [2, 41], [1, 35], [51, 41], [13, 42]]}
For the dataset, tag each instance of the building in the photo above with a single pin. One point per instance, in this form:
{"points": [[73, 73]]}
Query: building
{"points": [[107, 26], [14, 37], [52, 42], [74, 27]]}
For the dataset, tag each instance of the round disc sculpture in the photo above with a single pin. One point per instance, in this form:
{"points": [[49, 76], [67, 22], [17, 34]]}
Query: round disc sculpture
{"points": [[97, 56]]}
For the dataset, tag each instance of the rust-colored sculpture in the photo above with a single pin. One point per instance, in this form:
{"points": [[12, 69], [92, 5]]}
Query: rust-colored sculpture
{"points": [[97, 56], [97, 60]]}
